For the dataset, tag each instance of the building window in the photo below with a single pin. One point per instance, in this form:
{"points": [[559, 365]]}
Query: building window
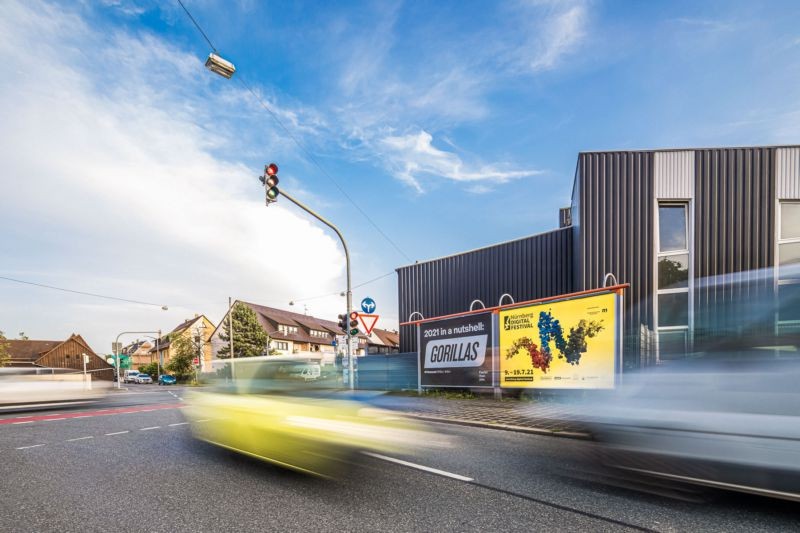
{"points": [[320, 334], [673, 279], [287, 330], [280, 345], [788, 265]]}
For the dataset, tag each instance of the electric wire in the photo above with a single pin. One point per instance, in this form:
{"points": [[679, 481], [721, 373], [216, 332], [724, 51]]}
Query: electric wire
{"points": [[309, 155], [42, 285], [340, 292]]}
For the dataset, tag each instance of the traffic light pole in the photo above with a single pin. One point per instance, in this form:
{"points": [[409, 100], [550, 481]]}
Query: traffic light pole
{"points": [[349, 288]]}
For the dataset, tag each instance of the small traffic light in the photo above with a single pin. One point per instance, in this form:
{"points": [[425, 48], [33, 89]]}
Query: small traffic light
{"points": [[270, 182], [353, 324], [343, 323]]}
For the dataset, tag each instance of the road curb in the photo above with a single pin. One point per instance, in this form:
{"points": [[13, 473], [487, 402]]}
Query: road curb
{"points": [[503, 427]]}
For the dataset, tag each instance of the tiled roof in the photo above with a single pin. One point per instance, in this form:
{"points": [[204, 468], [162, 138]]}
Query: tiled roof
{"points": [[271, 318], [29, 351], [388, 338]]}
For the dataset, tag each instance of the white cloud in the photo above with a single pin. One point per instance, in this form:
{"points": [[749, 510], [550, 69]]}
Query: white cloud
{"points": [[561, 32], [412, 157], [113, 183]]}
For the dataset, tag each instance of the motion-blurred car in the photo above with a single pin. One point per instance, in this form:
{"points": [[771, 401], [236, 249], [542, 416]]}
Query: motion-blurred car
{"points": [[143, 379], [725, 413], [35, 388], [166, 379], [309, 426]]}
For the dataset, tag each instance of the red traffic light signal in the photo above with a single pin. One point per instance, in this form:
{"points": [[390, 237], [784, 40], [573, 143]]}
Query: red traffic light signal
{"points": [[270, 181], [354, 324]]}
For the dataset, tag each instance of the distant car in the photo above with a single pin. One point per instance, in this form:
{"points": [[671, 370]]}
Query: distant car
{"points": [[143, 378], [130, 376], [166, 379]]}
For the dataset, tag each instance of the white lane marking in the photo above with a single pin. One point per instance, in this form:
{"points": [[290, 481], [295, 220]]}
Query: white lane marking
{"points": [[117, 433], [179, 424], [146, 410], [79, 438], [419, 467], [84, 416], [53, 419], [26, 447], [26, 422], [203, 420], [148, 429]]}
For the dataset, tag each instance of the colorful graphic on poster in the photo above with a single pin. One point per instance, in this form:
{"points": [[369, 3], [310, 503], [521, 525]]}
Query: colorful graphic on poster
{"points": [[571, 344]]}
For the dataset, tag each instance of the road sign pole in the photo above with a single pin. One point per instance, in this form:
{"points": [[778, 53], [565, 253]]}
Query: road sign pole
{"points": [[310, 211]]}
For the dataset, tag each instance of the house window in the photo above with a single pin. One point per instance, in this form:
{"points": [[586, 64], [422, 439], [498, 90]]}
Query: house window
{"points": [[320, 334], [287, 330], [281, 345], [788, 265], [673, 280]]}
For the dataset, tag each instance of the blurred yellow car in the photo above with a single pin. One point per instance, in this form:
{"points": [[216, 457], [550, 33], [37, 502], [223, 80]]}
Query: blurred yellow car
{"points": [[270, 412]]}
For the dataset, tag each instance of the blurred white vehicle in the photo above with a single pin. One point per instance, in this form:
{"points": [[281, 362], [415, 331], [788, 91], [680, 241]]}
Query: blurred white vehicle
{"points": [[22, 388]]}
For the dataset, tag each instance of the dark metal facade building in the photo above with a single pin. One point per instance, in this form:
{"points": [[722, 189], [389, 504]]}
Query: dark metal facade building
{"points": [[525, 269], [663, 221]]}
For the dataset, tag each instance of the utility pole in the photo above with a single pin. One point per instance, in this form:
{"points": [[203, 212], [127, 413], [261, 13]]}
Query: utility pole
{"points": [[160, 356], [310, 211]]}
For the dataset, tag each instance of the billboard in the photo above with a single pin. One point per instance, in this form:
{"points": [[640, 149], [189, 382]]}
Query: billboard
{"points": [[568, 344], [456, 352]]}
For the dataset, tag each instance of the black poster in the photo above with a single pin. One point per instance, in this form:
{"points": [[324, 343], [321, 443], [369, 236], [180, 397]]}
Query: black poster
{"points": [[456, 352]]}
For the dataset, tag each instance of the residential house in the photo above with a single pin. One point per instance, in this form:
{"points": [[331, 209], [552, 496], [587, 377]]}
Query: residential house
{"points": [[293, 334], [198, 329], [66, 354], [383, 341], [140, 353]]}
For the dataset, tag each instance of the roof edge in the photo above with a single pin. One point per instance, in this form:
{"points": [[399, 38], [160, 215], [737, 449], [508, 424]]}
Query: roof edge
{"points": [[482, 248]]}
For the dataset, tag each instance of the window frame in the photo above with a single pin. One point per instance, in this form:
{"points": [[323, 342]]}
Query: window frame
{"points": [[779, 240], [687, 205]]}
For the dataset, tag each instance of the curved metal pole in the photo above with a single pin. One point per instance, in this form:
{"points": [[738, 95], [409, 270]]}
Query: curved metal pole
{"points": [[499, 303], [483, 305], [349, 286], [612, 276], [116, 343], [415, 313]]}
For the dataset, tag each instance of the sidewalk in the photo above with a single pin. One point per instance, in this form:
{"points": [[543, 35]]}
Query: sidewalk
{"points": [[542, 418]]}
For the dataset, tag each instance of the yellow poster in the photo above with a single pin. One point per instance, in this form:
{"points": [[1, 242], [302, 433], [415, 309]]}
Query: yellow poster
{"points": [[569, 344]]}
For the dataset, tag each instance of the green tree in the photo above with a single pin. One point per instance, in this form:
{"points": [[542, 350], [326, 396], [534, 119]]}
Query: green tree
{"points": [[22, 336], [249, 338], [151, 369], [4, 357], [184, 350]]}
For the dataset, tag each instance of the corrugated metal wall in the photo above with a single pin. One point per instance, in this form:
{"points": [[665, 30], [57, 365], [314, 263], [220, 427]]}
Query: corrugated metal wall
{"points": [[787, 173], [734, 230], [673, 174], [529, 268], [614, 202]]}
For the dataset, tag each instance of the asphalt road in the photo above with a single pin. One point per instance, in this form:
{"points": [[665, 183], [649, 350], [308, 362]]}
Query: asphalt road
{"points": [[130, 464]]}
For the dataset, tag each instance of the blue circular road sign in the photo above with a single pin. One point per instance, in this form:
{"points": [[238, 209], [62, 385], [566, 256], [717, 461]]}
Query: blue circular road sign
{"points": [[368, 305]]}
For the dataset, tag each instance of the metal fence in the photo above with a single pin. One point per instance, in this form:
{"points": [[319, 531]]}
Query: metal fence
{"points": [[388, 371]]}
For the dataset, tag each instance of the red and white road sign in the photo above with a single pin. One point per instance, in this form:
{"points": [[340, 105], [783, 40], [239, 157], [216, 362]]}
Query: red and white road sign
{"points": [[196, 361], [368, 321]]}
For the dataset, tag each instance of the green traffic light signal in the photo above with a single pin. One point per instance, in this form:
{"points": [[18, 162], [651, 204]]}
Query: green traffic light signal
{"points": [[354, 332]]}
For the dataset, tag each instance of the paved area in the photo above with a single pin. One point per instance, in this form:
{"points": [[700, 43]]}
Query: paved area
{"points": [[132, 465], [546, 417]]}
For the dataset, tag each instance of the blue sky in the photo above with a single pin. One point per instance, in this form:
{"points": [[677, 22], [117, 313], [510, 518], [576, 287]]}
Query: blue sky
{"points": [[130, 169]]}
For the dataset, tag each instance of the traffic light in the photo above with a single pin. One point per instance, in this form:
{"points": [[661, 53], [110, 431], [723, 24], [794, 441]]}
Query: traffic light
{"points": [[353, 324], [343, 323], [270, 182]]}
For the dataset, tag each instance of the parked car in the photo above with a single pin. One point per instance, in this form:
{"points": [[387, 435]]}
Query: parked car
{"points": [[130, 376], [166, 379], [144, 378]]}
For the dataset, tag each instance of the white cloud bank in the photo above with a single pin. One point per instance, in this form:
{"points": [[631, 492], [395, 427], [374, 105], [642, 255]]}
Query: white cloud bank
{"points": [[412, 156], [112, 183]]}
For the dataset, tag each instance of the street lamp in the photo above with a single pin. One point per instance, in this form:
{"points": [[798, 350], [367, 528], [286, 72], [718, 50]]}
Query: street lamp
{"points": [[218, 65]]}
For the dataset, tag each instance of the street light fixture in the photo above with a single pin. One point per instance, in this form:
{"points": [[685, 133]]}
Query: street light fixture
{"points": [[220, 66]]}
